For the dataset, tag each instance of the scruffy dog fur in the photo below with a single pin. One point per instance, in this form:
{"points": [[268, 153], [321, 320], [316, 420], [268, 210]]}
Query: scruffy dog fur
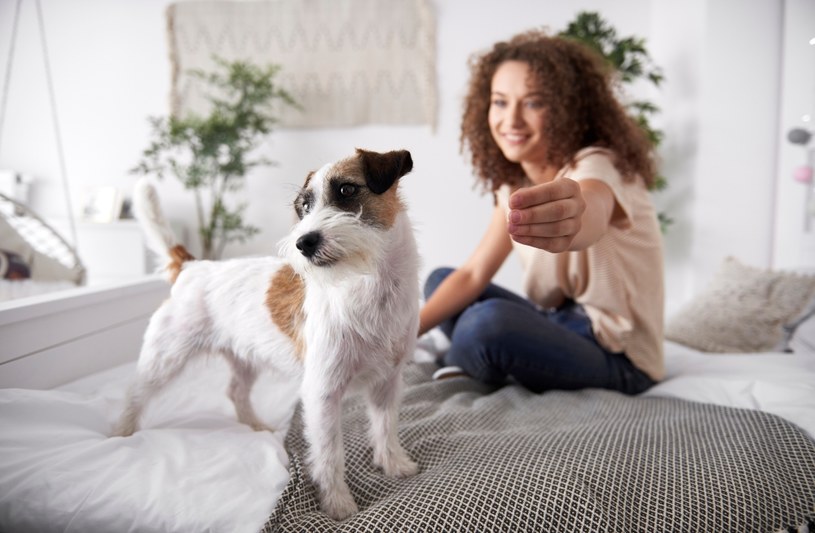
{"points": [[339, 308]]}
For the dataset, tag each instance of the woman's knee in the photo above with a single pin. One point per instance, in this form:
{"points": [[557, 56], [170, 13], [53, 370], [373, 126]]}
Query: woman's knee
{"points": [[434, 280], [477, 342], [482, 326], [488, 312]]}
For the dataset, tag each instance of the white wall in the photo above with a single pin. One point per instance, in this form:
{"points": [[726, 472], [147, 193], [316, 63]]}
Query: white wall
{"points": [[720, 112], [794, 232], [738, 109]]}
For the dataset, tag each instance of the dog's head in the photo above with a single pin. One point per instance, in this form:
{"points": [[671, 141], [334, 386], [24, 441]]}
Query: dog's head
{"points": [[345, 209]]}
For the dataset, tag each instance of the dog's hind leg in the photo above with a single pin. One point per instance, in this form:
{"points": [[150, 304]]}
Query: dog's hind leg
{"points": [[240, 390], [383, 409], [162, 358]]}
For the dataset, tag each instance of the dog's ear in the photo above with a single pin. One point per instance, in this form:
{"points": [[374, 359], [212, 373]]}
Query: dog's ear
{"points": [[383, 169]]}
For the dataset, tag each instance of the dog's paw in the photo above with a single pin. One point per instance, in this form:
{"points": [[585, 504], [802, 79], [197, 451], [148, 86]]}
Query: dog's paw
{"points": [[260, 426], [398, 465], [123, 429], [339, 505]]}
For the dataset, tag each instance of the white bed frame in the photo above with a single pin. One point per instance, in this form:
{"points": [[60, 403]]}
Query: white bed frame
{"points": [[52, 339]]}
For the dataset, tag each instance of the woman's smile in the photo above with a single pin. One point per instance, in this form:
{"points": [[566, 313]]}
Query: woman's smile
{"points": [[516, 114]]}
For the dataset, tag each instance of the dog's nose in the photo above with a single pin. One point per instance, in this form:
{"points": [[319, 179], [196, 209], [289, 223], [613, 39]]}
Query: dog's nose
{"points": [[308, 243]]}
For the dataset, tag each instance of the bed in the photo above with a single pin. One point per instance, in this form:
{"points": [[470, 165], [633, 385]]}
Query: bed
{"points": [[724, 443]]}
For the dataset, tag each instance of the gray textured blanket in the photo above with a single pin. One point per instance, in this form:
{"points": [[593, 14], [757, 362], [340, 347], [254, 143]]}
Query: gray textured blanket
{"points": [[510, 460]]}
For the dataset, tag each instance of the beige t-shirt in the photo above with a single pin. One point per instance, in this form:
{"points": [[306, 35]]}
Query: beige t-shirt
{"points": [[618, 279]]}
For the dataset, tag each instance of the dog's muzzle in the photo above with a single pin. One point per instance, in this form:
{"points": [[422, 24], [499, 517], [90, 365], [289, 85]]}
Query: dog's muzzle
{"points": [[309, 243]]}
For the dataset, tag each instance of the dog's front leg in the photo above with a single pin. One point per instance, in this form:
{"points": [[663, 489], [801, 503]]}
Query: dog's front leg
{"points": [[322, 410], [383, 408]]}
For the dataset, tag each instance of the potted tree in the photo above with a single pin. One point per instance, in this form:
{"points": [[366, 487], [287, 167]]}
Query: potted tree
{"points": [[212, 154]]}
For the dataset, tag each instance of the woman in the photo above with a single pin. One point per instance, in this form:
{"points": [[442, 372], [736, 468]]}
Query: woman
{"points": [[569, 172]]}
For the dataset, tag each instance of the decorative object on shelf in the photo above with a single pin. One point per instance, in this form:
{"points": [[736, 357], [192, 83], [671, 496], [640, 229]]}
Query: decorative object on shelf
{"points": [[349, 62], [801, 136], [211, 154], [15, 185], [101, 204], [803, 174], [630, 59]]}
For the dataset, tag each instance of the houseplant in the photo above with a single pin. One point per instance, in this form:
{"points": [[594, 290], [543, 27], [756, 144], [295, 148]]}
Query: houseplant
{"points": [[631, 62], [211, 154]]}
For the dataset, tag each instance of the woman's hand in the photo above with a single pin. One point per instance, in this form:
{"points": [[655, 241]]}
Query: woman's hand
{"points": [[548, 215], [560, 215]]}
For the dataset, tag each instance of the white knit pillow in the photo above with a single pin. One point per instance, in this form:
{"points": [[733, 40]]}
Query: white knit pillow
{"points": [[745, 309]]}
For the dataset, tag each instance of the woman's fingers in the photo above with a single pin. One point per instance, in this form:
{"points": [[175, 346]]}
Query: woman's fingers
{"points": [[548, 215]]}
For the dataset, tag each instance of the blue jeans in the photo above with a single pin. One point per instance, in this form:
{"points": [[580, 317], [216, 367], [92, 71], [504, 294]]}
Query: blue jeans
{"points": [[503, 336]]}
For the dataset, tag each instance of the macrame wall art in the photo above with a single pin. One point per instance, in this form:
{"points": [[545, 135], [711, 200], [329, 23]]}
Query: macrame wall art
{"points": [[347, 62]]}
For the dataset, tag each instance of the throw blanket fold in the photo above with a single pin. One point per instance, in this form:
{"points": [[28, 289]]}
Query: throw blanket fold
{"points": [[592, 460]]}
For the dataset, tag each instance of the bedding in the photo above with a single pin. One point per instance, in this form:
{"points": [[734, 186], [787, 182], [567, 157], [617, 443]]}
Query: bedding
{"points": [[195, 468], [590, 460], [12, 266]]}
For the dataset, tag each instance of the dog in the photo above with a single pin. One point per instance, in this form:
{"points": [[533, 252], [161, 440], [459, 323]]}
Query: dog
{"points": [[337, 308]]}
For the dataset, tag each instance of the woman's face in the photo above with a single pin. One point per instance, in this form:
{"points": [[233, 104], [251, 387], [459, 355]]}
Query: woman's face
{"points": [[516, 115]]}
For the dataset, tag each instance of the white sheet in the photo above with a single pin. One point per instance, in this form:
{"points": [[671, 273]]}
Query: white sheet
{"points": [[779, 383], [195, 468]]}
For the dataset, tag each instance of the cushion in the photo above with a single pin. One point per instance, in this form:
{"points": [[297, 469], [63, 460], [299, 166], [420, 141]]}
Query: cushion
{"points": [[12, 266], [744, 309]]}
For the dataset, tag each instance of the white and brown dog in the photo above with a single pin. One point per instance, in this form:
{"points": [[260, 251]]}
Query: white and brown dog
{"points": [[340, 308]]}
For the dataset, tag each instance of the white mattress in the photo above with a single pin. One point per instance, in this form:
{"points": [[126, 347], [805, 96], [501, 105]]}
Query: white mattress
{"points": [[195, 468]]}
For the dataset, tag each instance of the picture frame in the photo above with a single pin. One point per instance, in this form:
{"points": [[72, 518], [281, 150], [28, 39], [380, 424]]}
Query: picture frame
{"points": [[101, 205]]}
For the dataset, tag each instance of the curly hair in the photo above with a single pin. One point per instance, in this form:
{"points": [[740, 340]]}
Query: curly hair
{"points": [[581, 110]]}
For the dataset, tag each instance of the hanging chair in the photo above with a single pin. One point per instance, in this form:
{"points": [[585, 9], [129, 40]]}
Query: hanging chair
{"points": [[27, 242], [47, 255]]}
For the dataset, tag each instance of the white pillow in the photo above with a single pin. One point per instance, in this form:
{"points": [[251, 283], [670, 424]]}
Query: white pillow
{"points": [[745, 309]]}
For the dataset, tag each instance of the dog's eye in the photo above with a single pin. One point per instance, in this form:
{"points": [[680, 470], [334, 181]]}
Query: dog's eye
{"points": [[348, 190], [304, 202]]}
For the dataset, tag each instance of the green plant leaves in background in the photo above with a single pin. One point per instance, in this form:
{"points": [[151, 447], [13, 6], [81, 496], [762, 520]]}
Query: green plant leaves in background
{"points": [[213, 153], [631, 62]]}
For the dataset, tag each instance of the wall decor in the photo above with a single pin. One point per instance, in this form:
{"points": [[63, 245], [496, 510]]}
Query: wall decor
{"points": [[347, 62]]}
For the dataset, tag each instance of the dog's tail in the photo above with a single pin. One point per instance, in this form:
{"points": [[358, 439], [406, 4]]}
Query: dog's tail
{"points": [[159, 235]]}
